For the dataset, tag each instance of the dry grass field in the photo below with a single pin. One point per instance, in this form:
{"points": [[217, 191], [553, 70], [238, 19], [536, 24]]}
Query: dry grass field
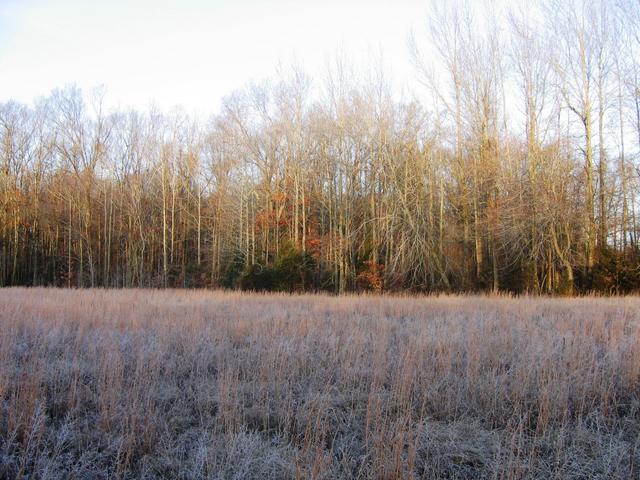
{"points": [[101, 384]]}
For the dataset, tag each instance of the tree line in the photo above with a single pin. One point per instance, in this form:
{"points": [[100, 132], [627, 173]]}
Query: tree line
{"points": [[514, 167]]}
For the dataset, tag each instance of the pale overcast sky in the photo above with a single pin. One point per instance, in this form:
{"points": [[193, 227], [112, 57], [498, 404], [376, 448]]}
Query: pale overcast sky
{"points": [[191, 52]]}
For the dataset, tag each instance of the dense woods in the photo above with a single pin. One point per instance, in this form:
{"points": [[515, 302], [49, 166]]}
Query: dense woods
{"points": [[514, 167]]}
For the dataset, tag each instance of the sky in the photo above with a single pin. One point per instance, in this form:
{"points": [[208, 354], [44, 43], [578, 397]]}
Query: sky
{"points": [[191, 53]]}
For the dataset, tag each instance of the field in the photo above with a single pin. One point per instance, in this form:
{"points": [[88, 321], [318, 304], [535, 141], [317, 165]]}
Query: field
{"points": [[195, 384]]}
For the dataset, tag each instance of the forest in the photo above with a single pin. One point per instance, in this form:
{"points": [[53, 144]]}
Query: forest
{"points": [[514, 167]]}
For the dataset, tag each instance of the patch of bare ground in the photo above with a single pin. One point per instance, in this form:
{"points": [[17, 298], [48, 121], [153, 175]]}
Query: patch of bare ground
{"points": [[197, 384]]}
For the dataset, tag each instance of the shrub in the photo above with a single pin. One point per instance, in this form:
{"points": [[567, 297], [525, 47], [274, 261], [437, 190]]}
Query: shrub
{"points": [[233, 273], [292, 271], [370, 278], [258, 278], [616, 272]]}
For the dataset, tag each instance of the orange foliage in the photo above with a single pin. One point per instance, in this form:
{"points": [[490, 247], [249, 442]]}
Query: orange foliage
{"points": [[371, 277]]}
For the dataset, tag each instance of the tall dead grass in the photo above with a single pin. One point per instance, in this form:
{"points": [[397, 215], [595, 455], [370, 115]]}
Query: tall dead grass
{"points": [[198, 384]]}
